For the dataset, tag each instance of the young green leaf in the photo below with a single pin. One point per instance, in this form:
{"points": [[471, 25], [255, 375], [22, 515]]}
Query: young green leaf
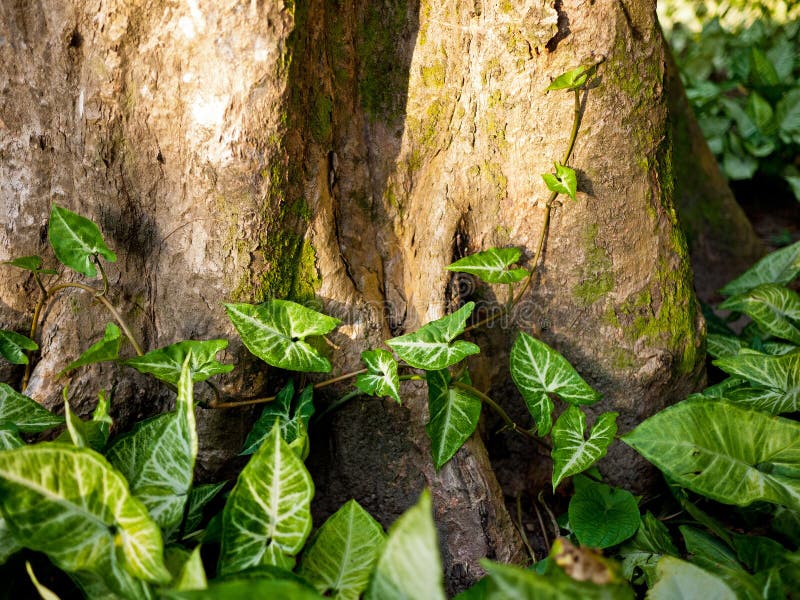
{"points": [[340, 558], [26, 414], [775, 308], [572, 452], [537, 371], [29, 263], [275, 332], [563, 182], [13, 346], [724, 452], [454, 415], [166, 363], [186, 568], [643, 551], [430, 347], [104, 350], [267, 517], [676, 578], [293, 420], [781, 374], [75, 240], [199, 498], [9, 436], [602, 516], [382, 378], [781, 267], [492, 265], [409, 566], [87, 434], [570, 80]]}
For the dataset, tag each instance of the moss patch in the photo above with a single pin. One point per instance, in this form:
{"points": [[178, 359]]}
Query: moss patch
{"points": [[434, 75], [596, 272]]}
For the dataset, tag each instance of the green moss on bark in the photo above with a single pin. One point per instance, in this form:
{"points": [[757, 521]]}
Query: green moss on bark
{"points": [[596, 271]]}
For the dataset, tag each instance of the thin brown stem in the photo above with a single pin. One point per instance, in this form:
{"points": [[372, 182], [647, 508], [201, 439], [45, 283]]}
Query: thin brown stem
{"points": [[542, 527], [521, 529], [102, 275]]}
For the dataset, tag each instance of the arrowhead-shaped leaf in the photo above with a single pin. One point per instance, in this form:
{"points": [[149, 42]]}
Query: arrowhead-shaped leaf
{"points": [[340, 558], [570, 80], [275, 332], [563, 182], [157, 458], [104, 350], [602, 516], [410, 566], [572, 452], [13, 346], [75, 240], [775, 308], [430, 347], [724, 452], [382, 378], [454, 415], [492, 265], [26, 414], [781, 266], [780, 374], [538, 371], [267, 517], [166, 363], [30, 263], [293, 419]]}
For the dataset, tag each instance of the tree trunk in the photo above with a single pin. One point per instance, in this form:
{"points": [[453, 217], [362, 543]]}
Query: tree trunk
{"points": [[347, 152]]}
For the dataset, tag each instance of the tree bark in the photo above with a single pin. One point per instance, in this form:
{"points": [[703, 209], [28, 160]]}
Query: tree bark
{"points": [[346, 153]]}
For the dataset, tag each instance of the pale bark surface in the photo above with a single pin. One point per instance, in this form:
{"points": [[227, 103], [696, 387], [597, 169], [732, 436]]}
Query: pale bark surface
{"points": [[239, 150]]}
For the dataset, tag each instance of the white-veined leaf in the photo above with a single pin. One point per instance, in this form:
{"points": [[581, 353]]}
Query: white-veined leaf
{"points": [[13, 346], [766, 400], [781, 266], [26, 414], [9, 436], [537, 371], [267, 517], [780, 374], [565, 181], [75, 240], [104, 350], [166, 363], [275, 332], [382, 378], [773, 307], [718, 345], [454, 415], [293, 417], [572, 452], [492, 265], [199, 497], [409, 567], [430, 347], [342, 554]]}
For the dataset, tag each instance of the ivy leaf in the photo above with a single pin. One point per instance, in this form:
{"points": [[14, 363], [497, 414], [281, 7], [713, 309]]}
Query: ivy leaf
{"points": [[75, 240], [570, 80], [199, 498], [104, 350], [293, 421], [537, 371], [676, 578], [778, 373], [30, 263], [275, 332], [9, 438], [13, 346], [781, 266], [773, 307], [87, 434], [454, 415], [430, 347], [602, 516], [343, 553], [410, 565], [724, 452], [382, 378], [267, 517], [563, 182], [157, 458], [572, 453], [166, 363], [492, 265], [26, 414]]}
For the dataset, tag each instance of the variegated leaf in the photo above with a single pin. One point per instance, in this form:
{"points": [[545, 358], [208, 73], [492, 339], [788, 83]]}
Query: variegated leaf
{"points": [[775, 308], [382, 378], [9, 436], [723, 345], [766, 400], [454, 415], [104, 350], [492, 265], [293, 417], [26, 414], [781, 266], [199, 497], [572, 452], [8, 543], [780, 374], [166, 363], [13, 346]]}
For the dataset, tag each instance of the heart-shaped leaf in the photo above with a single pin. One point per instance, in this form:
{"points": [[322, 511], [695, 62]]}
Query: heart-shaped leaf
{"points": [[430, 347], [166, 363], [572, 452], [382, 378], [538, 371], [724, 452], [293, 419], [781, 374], [267, 517], [602, 516], [26, 414], [13, 346], [492, 265], [75, 240], [275, 332], [454, 414], [563, 182], [104, 350], [340, 558], [570, 80], [775, 308], [30, 263], [781, 266]]}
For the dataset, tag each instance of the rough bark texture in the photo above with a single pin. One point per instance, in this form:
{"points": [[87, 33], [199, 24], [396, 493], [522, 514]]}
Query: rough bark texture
{"points": [[347, 152]]}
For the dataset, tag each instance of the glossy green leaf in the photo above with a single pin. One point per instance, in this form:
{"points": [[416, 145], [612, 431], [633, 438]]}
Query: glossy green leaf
{"points": [[292, 416], [680, 579], [275, 332], [572, 452], [537, 371], [775, 308], [723, 345], [382, 378], [8, 543], [454, 415], [563, 182], [602, 516], [343, 553], [157, 458], [75, 240], [570, 80], [787, 112], [724, 452], [9, 436], [766, 400], [199, 498], [87, 434], [166, 363], [267, 516], [187, 568], [431, 347], [645, 549], [13, 346], [104, 350], [26, 414], [409, 566], [781, 374], [781, 266], [29, 263], [492, 265], [759, 553], [72, 505], [244, 589]]}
